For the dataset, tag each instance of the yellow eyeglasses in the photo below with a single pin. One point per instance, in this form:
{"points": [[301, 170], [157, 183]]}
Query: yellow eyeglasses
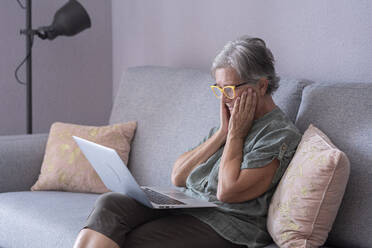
{"points": [[228, 91]]}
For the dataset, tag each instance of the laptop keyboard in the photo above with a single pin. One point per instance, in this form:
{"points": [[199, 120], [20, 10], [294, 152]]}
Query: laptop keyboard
{"points": [[159, 198]]}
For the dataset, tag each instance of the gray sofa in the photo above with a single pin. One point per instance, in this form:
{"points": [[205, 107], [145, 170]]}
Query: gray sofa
{"points": [[175, 108]]}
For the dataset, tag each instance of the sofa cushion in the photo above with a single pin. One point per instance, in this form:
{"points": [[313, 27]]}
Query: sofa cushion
{"points": [[306, 201], [65, 167], [175, 108], [343, 112], [49, 219]]}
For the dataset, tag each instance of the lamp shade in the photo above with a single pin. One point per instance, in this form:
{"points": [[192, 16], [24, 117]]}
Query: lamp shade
{"points": [[69, 20]]}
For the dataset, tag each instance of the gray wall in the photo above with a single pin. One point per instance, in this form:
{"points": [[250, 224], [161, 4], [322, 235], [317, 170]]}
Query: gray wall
{"points": [[314, 39], [72, 76]]}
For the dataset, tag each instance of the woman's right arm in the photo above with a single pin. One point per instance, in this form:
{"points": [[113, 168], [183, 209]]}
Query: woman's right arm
{"points": [[189, 160]]}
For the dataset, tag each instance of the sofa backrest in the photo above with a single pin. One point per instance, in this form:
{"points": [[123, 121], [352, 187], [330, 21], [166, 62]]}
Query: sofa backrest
{"points": [[343, 111], [175, 109]]}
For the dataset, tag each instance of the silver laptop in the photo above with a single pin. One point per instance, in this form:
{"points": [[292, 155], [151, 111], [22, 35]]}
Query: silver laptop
{"points": [[117, 178]]}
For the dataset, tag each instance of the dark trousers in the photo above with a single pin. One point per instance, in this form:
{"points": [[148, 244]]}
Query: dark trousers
{"points": [[130, 224]]}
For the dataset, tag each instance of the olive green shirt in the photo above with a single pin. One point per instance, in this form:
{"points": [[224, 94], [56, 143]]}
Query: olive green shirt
{"points": [[271, 136]]}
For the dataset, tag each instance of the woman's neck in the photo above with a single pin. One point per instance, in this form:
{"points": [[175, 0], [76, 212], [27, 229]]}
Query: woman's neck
{"points": [[265, 106]]}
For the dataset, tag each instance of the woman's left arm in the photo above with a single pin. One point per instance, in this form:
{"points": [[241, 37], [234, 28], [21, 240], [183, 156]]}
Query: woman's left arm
{"points": [[237, 185]]}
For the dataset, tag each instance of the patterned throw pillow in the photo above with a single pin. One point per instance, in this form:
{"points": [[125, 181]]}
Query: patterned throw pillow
{"points": [[305, 203], [65, 167]]}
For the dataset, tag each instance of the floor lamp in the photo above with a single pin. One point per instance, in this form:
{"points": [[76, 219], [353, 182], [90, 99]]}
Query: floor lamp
{"points": [[69, 20]]}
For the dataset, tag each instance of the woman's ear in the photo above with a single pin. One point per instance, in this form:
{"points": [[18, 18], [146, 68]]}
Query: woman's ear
{"points": [[262, 86]]}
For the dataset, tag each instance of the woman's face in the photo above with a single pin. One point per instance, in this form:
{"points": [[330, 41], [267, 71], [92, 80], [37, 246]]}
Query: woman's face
{"points": [[228, 76]]}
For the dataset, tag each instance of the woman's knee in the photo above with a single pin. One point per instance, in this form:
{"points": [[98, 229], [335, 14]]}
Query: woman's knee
{"points": [[125, 208], [110, 200]]}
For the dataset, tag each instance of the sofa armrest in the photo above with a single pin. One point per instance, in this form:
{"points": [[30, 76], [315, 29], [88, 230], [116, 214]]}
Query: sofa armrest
{"points": [[21, 157]]}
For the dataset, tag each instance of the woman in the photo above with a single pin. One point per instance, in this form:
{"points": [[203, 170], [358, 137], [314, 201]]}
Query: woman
{"points": [[237, 166]]}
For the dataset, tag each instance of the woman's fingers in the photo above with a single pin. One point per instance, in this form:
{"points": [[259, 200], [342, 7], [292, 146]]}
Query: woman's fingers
{"points": [[236, 106], [252, 107], [243, 102], [248, 103], [221, 105], [224, 116]]}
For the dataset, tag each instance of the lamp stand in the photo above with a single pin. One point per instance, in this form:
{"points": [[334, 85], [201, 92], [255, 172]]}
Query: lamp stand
{"points": [[29, 39]]}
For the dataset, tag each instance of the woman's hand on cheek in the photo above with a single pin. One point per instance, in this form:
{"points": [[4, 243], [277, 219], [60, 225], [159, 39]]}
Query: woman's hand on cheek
{"points": [[224, 119], [242, 115]]}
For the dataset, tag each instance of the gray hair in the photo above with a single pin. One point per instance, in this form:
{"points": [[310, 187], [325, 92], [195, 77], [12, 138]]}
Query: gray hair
{"points": [[250, 58]]}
